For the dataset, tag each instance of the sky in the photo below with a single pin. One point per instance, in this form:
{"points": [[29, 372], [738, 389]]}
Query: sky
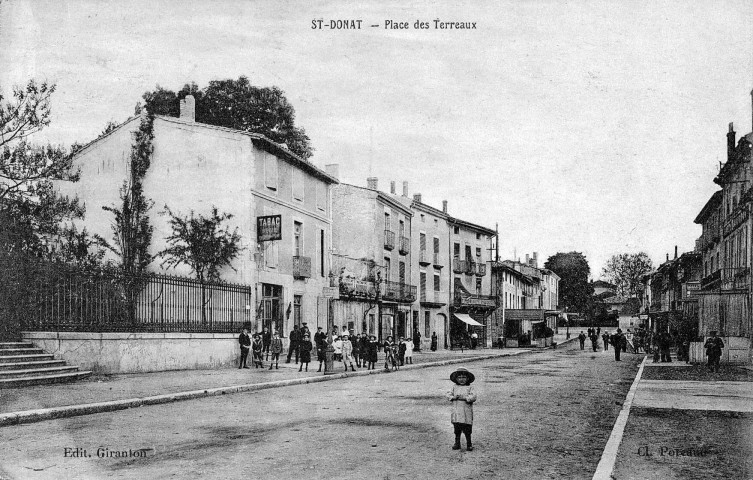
{"points": [[589, 126]]}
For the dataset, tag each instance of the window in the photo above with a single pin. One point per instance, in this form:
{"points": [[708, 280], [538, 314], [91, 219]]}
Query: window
{"points": [[298, 185], [436, 245], [468, 252], [478, 236], [298, 239], [478, 254], [436, 282], [456, 230], [321, 252], [423, 219], [478, 286], [456, 251], [387, 223], [427, 324], [270, 171], [401, 229], [321, 196], [423, 286], [401, 271], [422, 242], [297, 309], [386, 268]]}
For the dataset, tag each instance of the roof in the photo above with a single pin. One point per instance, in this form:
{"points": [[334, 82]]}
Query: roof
{"points": [[386, 198], [603, 284], [711, 205], [259, 140], [428, 209], [471, 226]]}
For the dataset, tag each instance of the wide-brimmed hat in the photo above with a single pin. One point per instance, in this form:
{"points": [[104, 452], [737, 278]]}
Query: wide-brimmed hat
{"points": [[454, 375]]}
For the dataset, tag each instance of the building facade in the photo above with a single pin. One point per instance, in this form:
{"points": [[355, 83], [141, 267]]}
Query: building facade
{"points": [[195, 167]]}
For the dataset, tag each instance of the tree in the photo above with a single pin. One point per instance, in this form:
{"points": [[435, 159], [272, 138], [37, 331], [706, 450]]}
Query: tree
{"points": [[238, 104], [573, 270], [202, 244], [625, 271]]}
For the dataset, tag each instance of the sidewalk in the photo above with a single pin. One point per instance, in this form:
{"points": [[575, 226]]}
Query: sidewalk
{"points": [[685, 422], [113, 392]]}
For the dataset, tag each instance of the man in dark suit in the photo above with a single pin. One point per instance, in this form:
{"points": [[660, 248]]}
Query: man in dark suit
{"points": [[295, 339], [245, 341]]}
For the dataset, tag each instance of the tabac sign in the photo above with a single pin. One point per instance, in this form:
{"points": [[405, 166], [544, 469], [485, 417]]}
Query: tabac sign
{"points": [[268, 227]]}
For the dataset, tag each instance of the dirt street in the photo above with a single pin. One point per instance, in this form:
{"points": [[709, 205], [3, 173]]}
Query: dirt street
{"points": [[540, 415]]}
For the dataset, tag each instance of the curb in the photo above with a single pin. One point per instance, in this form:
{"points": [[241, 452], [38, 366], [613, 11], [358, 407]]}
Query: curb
{"points": [[31, 416], [609, 456]]}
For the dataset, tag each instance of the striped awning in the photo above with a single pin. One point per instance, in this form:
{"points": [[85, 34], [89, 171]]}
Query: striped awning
{"points": [[464, 317]]}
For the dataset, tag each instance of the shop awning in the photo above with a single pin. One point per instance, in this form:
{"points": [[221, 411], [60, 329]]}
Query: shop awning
{"points": [[464, 317]]}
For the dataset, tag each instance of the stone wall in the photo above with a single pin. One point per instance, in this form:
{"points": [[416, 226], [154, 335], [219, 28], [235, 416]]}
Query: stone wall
{"points": [[139, 352]]}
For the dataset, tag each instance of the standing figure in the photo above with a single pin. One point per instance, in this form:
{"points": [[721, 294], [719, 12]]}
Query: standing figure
{"points": [[594, 341], [364, 349], [605, 340], [337, 344], [630, 339], [462, 397], [266, 340], [355, 341], [373, 352], [474, 340], [714, 346], [617, 339], [582, 340], [416, 340], [408, 351], [256, 347], [389, 354], [295, 338], [434, 342], [665, 344], [245, 342], [305, 348], [401, 348], [347, 352], [320, 342], [276, 348]]}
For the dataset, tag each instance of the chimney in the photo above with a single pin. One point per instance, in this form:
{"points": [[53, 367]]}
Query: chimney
{"points": [[667, 257], [675, 252], [730, 142], [405, 189], [188, 108], [417, 197], [536, 259], [444, 206], [527, 260], [333, 170], [372, 183], [392, 187]]}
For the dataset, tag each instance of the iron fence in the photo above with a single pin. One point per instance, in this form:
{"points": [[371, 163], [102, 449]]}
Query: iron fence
{"points": [[70, 300]]}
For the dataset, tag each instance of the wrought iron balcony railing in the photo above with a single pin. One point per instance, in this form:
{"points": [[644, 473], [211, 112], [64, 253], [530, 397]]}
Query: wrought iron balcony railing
{"points": [[398, 292], [404, 248], [480, 269], [351, 287], [302, 267], [389, 240], [458, 266], [470, 267]]}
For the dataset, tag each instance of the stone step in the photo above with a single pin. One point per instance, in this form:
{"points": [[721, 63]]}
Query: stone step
{"points": [[35, 372], [5, 345], [25, 358], [26, 365], [19, 351], [43, 379]]}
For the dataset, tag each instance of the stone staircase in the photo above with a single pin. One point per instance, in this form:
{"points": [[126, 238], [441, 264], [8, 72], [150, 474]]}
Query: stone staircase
{"points": [[21, 365]]}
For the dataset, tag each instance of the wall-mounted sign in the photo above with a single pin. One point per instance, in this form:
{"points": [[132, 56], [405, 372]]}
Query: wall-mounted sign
{"points": [[268, 227]]}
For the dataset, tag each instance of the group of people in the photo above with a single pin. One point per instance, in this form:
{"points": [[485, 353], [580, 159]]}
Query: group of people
{"points": [[353, 351]]}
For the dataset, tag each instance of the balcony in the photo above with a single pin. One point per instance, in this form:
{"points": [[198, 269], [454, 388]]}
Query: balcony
{"points": [[458, 266], [302, 267], [737, 218], [480, 269], [710, 282], [398, 292], [470, 267], [735, 278], [404, 248], [424, 258], [389, 240], [353, 288], [437, 263], [477, 301]]}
